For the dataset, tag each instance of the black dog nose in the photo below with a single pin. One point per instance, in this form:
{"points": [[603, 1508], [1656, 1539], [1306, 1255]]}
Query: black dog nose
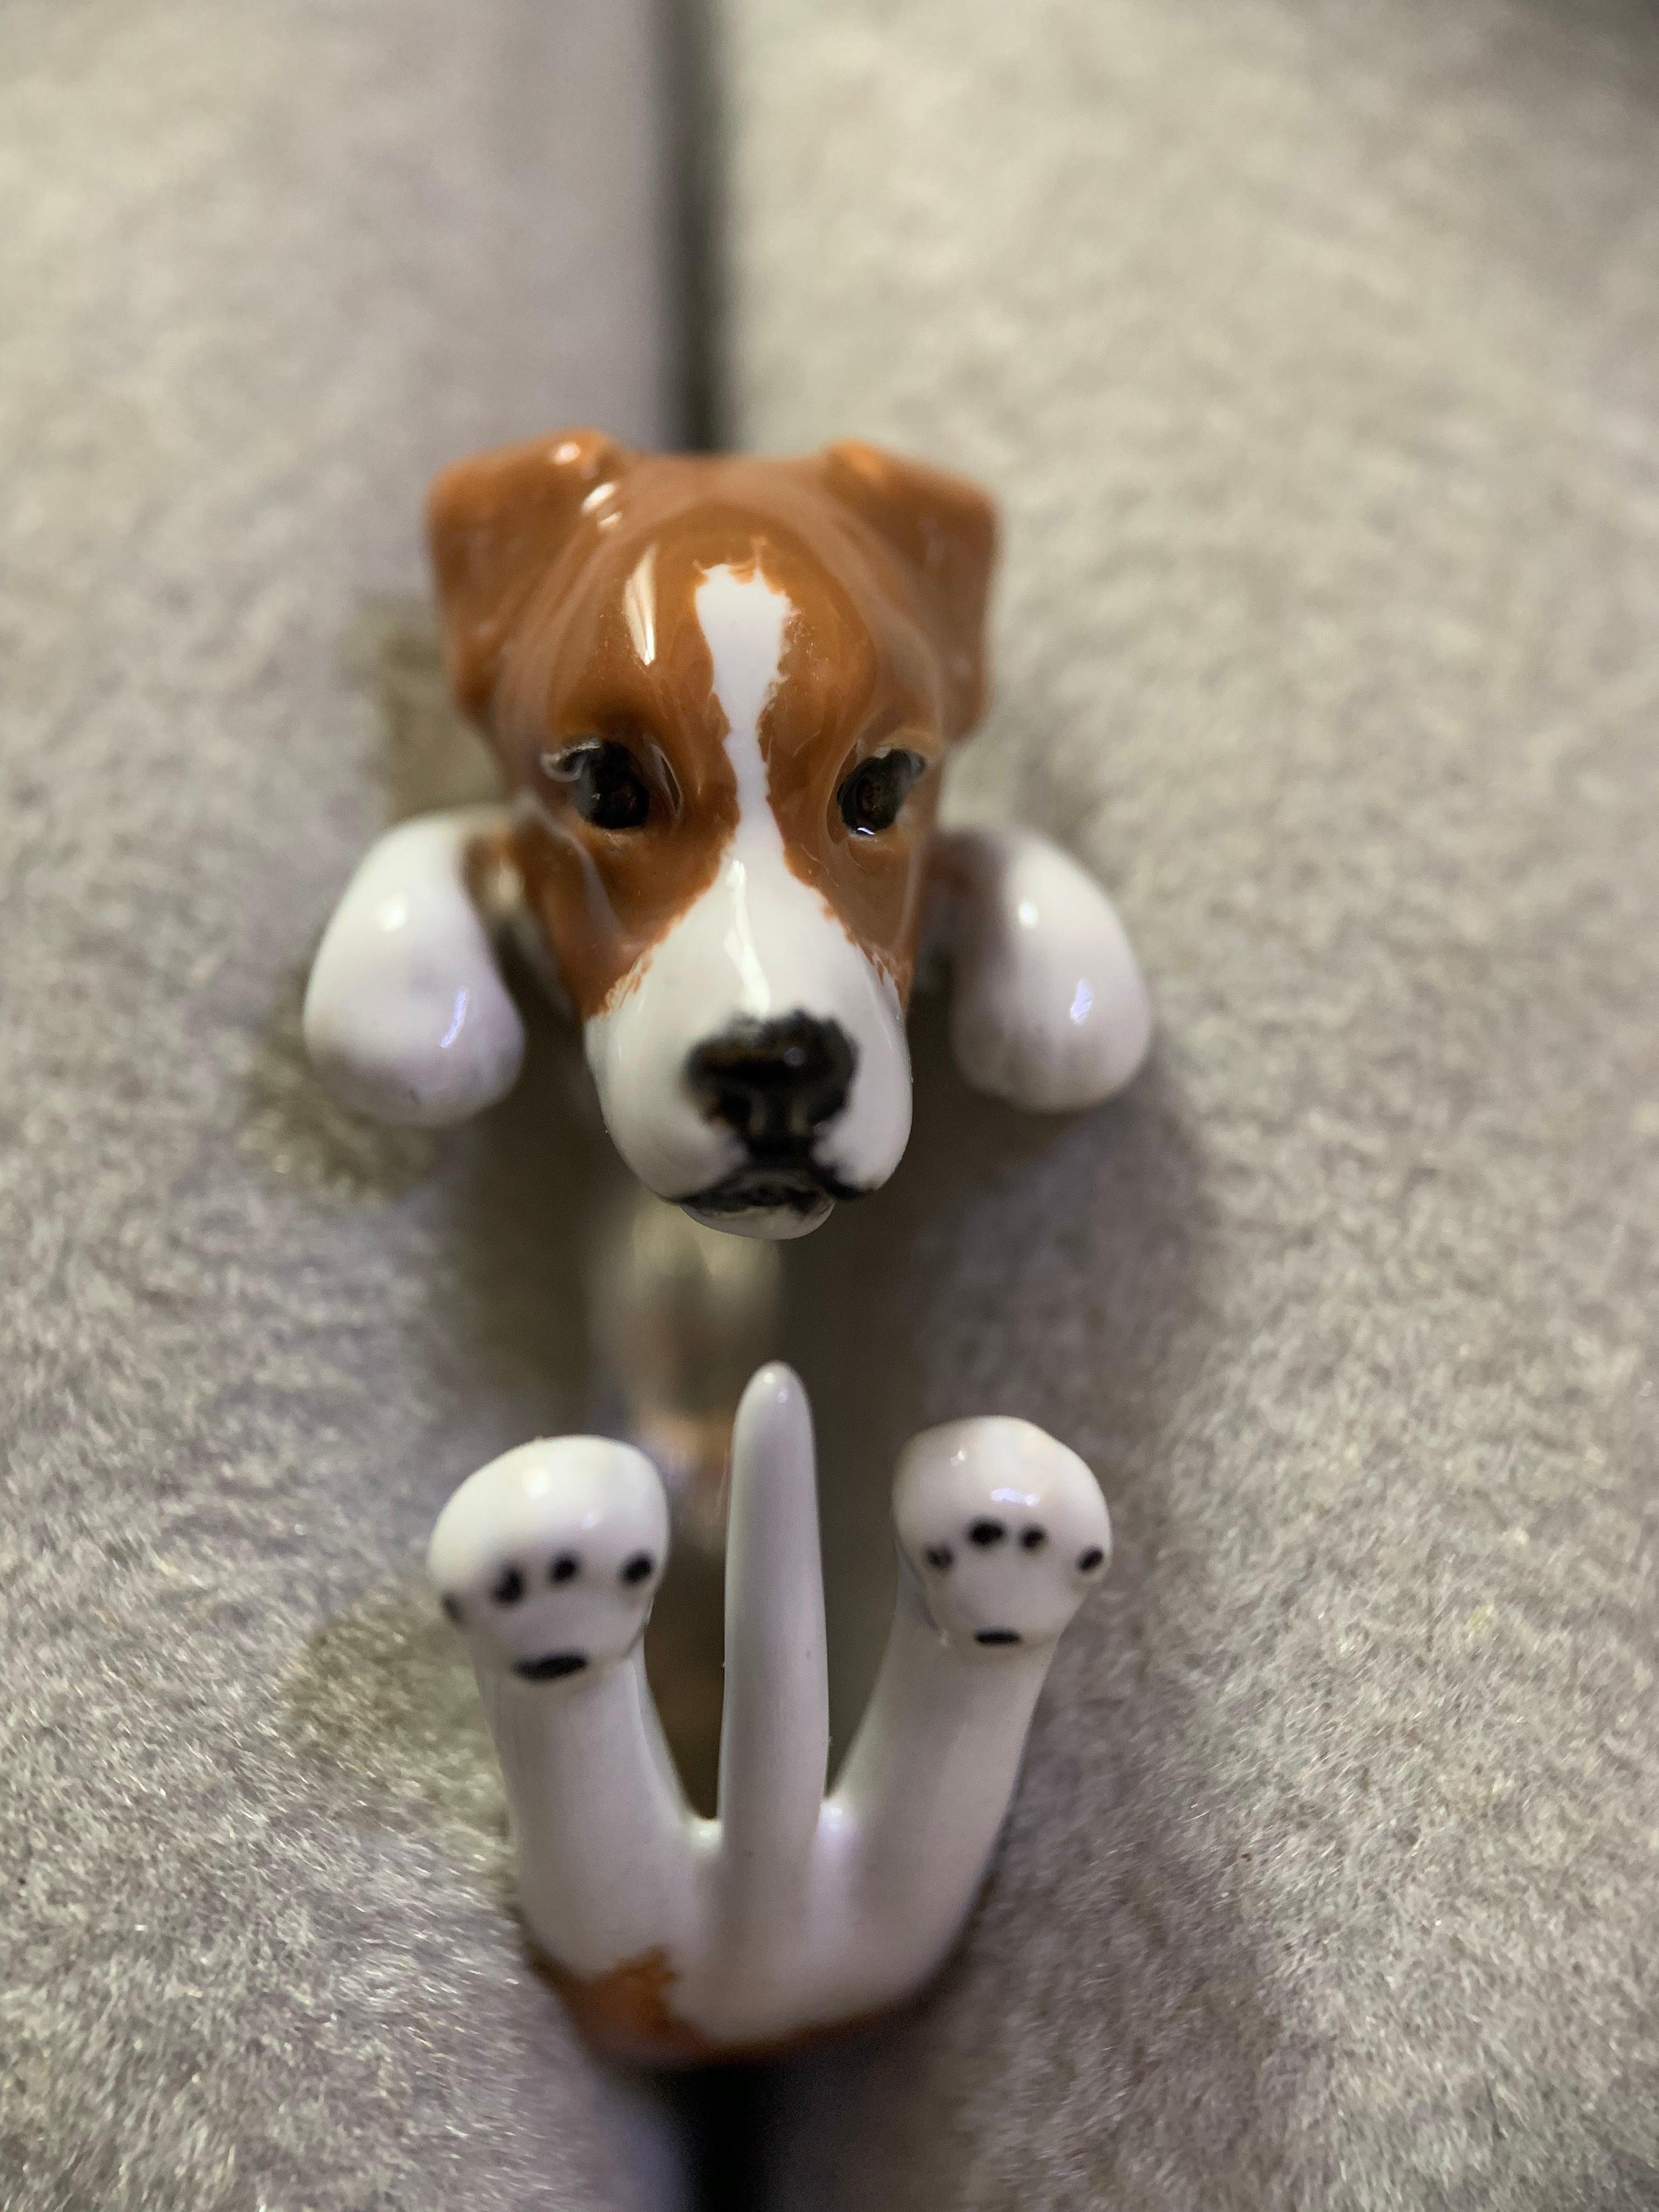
{"points": [[775, 1083]]}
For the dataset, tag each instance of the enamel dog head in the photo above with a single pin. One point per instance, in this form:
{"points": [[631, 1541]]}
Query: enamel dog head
{"points": [[721, 690]]}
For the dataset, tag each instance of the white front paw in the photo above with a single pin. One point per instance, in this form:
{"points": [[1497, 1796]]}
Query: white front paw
{"points": [[1049, 1007], [549, 1557], [406, 1015], [1004, 1528]]}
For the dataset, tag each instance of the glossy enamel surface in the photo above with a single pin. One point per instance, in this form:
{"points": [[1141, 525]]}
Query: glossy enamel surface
{"points": [[406, 1017], [751, 635], [722, 690], [572, 574], [676, 1937], [551, 1556], [1049, 1009], [759, 945]]}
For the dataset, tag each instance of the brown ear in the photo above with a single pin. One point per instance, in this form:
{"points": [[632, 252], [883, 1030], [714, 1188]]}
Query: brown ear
{"points": [[944, 532], [495, 522]]}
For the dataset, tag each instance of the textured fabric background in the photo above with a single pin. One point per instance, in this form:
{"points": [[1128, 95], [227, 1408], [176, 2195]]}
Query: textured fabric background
{"points": [[1314, 351], [267, 267]]}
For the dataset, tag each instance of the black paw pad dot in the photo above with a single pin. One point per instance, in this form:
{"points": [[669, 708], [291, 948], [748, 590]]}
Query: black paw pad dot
{"points": [[1033, 1540], [565, 1568], [986, 1533], [938, 1556], [509, 1587], [636, 1569], [1089, 1560], [452, 1606]]}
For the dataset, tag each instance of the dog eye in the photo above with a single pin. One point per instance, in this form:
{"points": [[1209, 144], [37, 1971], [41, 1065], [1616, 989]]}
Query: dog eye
{"points": [[605, 783], [873, 796]]}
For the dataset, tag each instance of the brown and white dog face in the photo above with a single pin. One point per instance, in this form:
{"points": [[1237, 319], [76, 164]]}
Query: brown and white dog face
{"points": [[720, 689]]}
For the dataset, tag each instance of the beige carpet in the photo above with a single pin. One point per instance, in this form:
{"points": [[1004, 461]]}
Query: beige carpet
{"points": [[266, 267], [1315, 352]]}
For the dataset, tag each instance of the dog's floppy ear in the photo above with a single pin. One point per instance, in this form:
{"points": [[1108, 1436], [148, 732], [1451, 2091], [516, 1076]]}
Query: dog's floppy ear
{"points": [[944, 532], [495, 524]]}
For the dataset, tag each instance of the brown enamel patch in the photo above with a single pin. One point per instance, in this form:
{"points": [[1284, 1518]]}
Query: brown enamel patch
{"points": [[572, 614], [626, 2012], [858, 680]]}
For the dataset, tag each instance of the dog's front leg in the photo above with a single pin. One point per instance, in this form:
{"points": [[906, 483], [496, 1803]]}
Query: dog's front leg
{"points": [[1049, 1009], [406, 1015]]}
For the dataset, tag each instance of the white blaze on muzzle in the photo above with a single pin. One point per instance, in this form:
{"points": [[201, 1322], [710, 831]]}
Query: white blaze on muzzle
{"points": [[758, 947]]}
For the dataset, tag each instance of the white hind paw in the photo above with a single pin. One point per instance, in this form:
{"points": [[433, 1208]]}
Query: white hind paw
{"points": [[548, 1558], [1004, 1528]]}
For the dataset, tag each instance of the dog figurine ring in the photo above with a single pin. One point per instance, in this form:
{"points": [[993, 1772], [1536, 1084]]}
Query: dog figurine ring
{"points": [[721, 691]]}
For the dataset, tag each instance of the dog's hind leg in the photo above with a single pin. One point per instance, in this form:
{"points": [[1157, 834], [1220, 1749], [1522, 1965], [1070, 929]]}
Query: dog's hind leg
{"points": [[548, 1560], [1002, 1534]]}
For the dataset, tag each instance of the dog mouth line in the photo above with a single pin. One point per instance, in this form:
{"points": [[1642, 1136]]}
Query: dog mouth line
{"points": [[552, 1667], [795, 1186]]}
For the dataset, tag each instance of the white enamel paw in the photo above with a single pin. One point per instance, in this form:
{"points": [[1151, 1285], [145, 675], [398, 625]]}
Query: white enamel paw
{"points": [[1005, 1530], [678, 1938], [549, 1557], [1048, 1008], [406, 1015]]}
